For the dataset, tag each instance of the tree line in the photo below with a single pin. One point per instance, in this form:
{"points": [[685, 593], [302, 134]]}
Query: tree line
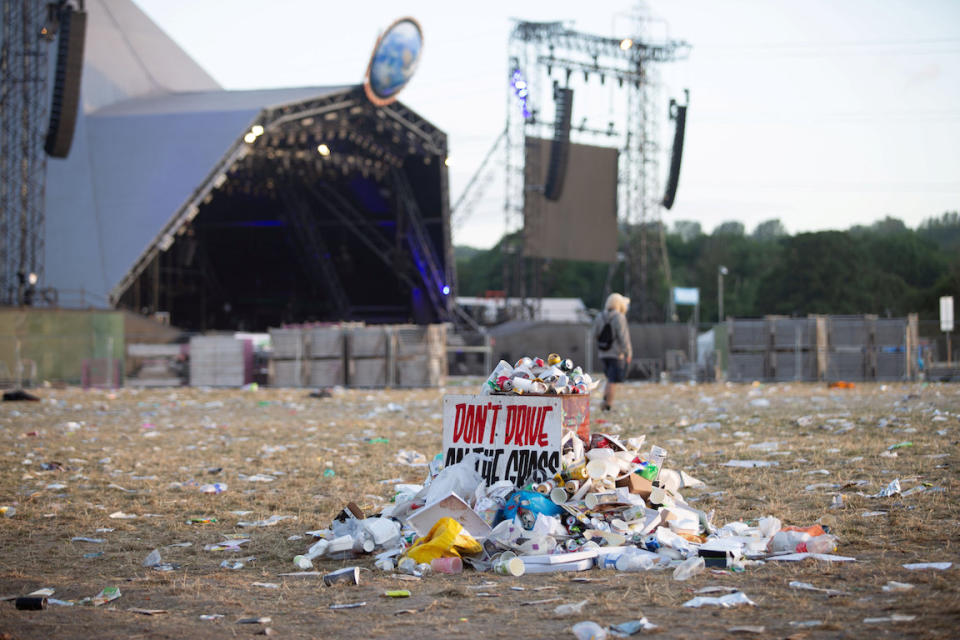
{"points": [[885, 268]]}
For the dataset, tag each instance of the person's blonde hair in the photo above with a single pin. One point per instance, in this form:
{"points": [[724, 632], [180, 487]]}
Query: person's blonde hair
{"points": [[617, 302]]}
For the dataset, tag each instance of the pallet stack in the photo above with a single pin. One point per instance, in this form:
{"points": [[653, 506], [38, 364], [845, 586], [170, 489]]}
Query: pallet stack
{"points": [[421, 355], [358, 355], [830, 348], [369, 356], [220, 361]]}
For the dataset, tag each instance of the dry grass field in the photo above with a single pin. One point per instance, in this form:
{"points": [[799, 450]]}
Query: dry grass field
{"points": [[125, 467]]}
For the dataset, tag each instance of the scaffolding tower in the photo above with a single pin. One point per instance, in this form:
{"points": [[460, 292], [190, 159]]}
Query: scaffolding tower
{"points": [[544, 55], [23, 118]]}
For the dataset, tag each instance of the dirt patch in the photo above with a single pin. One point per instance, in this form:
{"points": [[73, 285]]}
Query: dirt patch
{"points": [[78, 462]]}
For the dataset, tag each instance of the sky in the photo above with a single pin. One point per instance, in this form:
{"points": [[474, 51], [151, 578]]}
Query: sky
{"points": [[822, 113]]}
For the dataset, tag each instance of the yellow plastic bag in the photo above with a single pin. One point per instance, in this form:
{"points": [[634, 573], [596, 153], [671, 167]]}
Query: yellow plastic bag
{"points": [[445, 539]]}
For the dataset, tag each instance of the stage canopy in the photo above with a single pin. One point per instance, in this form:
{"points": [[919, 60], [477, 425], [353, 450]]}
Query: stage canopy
{"points": [[242, 209]]}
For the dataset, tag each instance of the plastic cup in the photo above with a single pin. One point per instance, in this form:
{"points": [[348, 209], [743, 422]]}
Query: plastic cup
{"points": [[596, 469], [559, 495], [447, 565]]}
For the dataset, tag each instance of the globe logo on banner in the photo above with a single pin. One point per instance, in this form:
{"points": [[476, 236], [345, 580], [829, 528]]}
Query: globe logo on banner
{"points": [[393, 62]]}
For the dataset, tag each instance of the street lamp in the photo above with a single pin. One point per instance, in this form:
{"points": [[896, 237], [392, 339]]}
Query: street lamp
{"points": [[721, 271]]}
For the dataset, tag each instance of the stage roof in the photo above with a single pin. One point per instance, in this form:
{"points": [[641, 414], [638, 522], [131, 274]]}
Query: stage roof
{"points": [[156, 137]]}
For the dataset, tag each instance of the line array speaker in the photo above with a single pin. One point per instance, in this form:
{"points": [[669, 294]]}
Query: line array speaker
{"points": [[66, 84], [678, 113], [560, 145]]}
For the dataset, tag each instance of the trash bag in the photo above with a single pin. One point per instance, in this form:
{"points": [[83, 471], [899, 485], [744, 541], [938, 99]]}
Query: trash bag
{"points": [[446, 538], [461, 478]]}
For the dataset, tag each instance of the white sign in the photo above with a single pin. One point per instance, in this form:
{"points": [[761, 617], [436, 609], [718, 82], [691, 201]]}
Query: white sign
{"points": [[686, 295], [518, 437], [946, 313]]}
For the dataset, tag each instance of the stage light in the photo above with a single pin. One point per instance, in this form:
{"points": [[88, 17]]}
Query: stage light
{"points": [[323, 150], [256, 130], [249, 138], [32, 278], [446, 290], [521, 90], [626, 43]]}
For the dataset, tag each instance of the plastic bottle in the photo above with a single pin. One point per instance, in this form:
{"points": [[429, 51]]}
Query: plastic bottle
{"points": [[657, 456], [819, 544], [689, 568]]}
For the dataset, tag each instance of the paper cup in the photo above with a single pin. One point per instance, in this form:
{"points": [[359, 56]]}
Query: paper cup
{"points": [[509, 566], [31, 603], [559, 495], [593, 500], [349, 575]]}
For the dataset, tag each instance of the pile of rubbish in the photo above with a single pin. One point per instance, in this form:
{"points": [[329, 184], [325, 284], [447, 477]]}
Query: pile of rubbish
{"points": [[555, 375], [612, 505]]}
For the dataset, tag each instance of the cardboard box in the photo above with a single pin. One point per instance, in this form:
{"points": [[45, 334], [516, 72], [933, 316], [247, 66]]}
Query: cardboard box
{"points": [[449, 506], [636, 484]]}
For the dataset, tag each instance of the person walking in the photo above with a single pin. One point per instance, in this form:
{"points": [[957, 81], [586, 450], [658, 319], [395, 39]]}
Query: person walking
{"points": [[612, 334]]}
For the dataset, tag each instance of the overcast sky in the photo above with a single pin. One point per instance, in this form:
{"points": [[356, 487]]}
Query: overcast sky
{"points": [[823, 113]]}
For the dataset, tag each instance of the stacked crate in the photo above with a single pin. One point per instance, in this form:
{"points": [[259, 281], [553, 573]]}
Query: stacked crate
{"points": [[793, 355], [421, 355], [357, 355], [287, 363], [369, 352], [891, 338], [220, 361], [850, 346], [776, 348], [747, 350], [326, 350], [308, 356]]}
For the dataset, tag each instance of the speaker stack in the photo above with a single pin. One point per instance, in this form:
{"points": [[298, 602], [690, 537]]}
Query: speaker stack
{"points": [[678, 113], [560, 145], [66, 84]]}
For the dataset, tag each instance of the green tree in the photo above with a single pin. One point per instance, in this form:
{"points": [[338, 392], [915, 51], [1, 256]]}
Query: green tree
{"points": [[769, 230]]}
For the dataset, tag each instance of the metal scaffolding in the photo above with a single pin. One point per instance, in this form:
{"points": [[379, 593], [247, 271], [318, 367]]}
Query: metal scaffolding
{"points": [[23, 119], [544, 55]]}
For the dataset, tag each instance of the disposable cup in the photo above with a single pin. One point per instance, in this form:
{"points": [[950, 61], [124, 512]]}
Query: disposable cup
{"points": [[596, 469], [559, 495], [509, 566], [349, 575], [447, 565]]}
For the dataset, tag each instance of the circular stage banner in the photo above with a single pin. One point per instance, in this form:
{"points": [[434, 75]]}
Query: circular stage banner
{"points": [[393, 62]]}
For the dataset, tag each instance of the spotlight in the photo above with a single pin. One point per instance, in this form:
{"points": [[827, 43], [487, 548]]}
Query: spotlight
{"points": [[626, 43], [446, 290], [32, 278], [256, 130], [249, 138], [323, 150], [446, 161]]}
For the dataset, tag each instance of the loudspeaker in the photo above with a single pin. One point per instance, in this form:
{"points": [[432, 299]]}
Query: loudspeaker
{"points": [[560, 145], [678, 113], [66, 83]]}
